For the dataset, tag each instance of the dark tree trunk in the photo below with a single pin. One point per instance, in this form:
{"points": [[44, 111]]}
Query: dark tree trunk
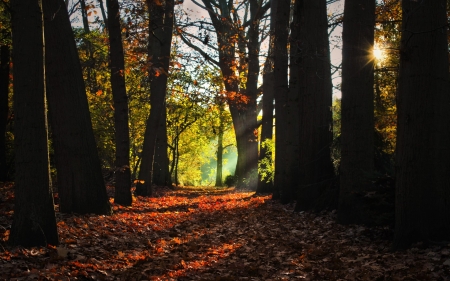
{"points": [[161, 175], [310, 56], [219, 166], [265, 186], [4, 108], [122, 194], [422, 191], [91, 80], [154, 152], [80, 182], [34, 222], [357, 151], [102, 9], [282, 155]]}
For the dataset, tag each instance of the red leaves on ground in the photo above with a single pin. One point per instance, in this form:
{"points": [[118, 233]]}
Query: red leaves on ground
{"points": [[207, 234]]}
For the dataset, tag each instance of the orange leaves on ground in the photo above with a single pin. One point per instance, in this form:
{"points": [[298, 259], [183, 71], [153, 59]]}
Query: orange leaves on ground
{"points": [[205, 233]]}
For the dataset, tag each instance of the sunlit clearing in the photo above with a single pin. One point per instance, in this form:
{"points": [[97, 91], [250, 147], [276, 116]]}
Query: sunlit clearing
{"points": [[378, 53]]}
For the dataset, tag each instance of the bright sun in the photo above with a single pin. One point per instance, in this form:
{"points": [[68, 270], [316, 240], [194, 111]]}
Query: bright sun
{"points": [[378, 53]]}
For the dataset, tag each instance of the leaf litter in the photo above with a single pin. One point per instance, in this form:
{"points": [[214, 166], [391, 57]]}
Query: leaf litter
{"points": [[214, 234]]}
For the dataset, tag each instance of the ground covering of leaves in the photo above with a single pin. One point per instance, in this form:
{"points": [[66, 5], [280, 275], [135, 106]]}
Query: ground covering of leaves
{"points": [[208, 234]]}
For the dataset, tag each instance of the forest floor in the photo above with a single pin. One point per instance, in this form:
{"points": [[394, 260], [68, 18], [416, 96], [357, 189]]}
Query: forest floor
{"points": [[214, 234]]}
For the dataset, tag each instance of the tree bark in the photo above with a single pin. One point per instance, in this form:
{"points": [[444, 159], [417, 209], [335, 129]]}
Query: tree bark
{"points": [[423, 129], [154, 152], [282, 183], [34, 222], [4, 108], [267, 101], [357, 129], [122, 193], [80, 183], [219, 166], [310, 56]]}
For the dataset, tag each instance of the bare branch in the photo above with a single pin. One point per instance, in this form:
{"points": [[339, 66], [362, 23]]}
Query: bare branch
{"points": [[196, 48]]}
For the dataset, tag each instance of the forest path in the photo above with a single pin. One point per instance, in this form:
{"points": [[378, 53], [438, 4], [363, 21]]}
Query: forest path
{"points": [[214, 234]]}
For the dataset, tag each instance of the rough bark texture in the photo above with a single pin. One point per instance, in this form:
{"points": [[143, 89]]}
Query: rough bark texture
{"points": [[282, 158], [357, 151], [34, 222], [122, 193], [4, 108], [154, 167], [423, 152], [311, 56], [80, 183]]}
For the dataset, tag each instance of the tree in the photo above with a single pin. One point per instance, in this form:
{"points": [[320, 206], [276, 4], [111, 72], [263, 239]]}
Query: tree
{"points": [[154, 166], [310, 77], [264, 185], [80, 183], [237, 36], [422, 182], [282, 185], [34, 222], [357, 126], [4, 107], [122, 193]]}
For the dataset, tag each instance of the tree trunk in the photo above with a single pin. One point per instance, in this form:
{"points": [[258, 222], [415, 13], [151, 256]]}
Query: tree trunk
{"points": [[265, 186], [155, 144], [102, 9], [282, 155], [310, 56], [4, 108], [357, 151], [34, 222], [122, 194], [161, 175], [80, 182], [422, 191], [219, 166]]}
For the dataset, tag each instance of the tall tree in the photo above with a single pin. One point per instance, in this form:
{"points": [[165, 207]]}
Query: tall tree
{"points": [[357, 125], [122, 193], [267, 108], [310, 76], [231, 30], [423, 153], [80, 183], [4, 107], [34, 222], [154, 166], [282, 185]]}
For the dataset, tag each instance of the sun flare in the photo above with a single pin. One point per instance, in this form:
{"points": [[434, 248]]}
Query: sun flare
{"points": [[378, 53]]}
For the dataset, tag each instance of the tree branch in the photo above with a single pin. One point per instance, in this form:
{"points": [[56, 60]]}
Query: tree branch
{"points": [[203, 53]]}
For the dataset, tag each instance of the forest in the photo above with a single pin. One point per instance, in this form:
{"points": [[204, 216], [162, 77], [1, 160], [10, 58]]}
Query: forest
{"points": [[224, 140]]}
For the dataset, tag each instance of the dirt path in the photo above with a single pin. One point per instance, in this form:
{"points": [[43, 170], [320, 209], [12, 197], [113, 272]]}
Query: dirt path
{"points": [[207, 234]]}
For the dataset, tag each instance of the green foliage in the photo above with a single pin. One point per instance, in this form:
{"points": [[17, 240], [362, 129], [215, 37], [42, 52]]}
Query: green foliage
{"points": [[266, 167], [230, 180]]}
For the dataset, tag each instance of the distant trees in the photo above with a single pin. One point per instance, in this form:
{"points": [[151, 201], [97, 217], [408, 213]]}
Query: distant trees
{"points": [[34, 222], [423, 153]]}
